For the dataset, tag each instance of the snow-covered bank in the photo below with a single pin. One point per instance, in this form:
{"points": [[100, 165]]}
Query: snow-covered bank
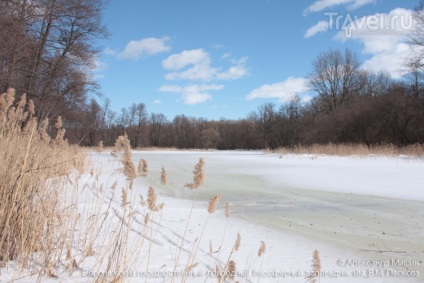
{"points": [[292, 203]]}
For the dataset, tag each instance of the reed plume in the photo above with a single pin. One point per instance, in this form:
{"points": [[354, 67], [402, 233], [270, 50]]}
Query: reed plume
{"points": [[198, 175], [210, 247], [238, 241], [213, 202], [43, 131], [227, 210], [115, 184], [124, 198], [316, 268], [146, 218], [152, 201], [232, 270], [190, 267], [129, 168], [58, 123], [122, 143], [163, 178], [262, 249], [143, 167]]}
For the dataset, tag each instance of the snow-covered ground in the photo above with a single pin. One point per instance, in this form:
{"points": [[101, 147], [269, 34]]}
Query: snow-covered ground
{"points": [[364, 215]]}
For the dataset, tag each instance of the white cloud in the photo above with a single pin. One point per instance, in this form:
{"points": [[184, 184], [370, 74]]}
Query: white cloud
{"points": [[196, 65], [384, 38], [237, 71], [359, 3], [185, 58], [389, 61], [321, 26], [192, 94], [156, 101], [284, 90], [203, 72], [320, 5], [135, 49]]}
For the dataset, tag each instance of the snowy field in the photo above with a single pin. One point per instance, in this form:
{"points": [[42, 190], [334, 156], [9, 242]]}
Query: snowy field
{"points": [[364, 215]]}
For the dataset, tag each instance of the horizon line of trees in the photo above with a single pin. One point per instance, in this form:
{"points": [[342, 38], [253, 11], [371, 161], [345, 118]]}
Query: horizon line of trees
{"points": [[380, 111]]}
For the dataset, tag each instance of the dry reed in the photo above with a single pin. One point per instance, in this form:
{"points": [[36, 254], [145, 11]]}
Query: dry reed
{"points": [[355, 149], [35, 221], [262, 249], [163, 178], [227, 210], [232, 270], [238, 241], [143, 167], [198, 175], [152, 200], [213, 202], [230, 263], [316, 268]]}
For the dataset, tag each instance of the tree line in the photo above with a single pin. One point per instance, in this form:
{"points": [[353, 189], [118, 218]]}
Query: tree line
{"points": [[47, 49], [350, 106]]}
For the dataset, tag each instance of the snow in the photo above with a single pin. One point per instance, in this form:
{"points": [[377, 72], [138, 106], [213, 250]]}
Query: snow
{"points": [[362, 214]]}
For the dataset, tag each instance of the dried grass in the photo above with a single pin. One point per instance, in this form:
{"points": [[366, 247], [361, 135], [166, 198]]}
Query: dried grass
{"points": [[152, 200], [213, 202], [227, 210], [143, 167], [34, 172], [163, 178], [355, 149], [316, 268], [198, 175], [262, 249]]}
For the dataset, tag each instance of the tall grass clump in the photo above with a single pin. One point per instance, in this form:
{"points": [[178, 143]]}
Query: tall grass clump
{"points": [[34, 170]]}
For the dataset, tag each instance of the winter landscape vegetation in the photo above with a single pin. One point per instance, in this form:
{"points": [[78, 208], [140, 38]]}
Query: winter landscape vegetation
{"points": [[324, 185]]}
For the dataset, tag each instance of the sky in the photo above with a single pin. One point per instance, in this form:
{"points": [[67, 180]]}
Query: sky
{"points": [[221, 59]]}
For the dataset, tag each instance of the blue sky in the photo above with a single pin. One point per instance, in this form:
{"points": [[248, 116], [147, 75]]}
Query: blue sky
{"points": [[223, 58]]}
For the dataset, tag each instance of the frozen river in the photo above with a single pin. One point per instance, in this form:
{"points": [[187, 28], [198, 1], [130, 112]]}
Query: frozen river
{"points": [[372, 206]]}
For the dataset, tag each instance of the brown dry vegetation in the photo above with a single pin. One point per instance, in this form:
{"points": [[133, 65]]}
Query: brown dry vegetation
{"points": [[355, 149], [34, 170]]}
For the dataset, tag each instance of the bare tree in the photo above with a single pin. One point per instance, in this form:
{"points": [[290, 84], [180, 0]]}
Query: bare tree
{"points": [[288, 122], [265, 120], [210, 138], [184, 131], [157, 124], [335, 77], [414, 64], [50, 48]]}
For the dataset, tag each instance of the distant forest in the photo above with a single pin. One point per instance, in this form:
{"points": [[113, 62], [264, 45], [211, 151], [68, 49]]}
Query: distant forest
{"points": [[48, 47]]}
